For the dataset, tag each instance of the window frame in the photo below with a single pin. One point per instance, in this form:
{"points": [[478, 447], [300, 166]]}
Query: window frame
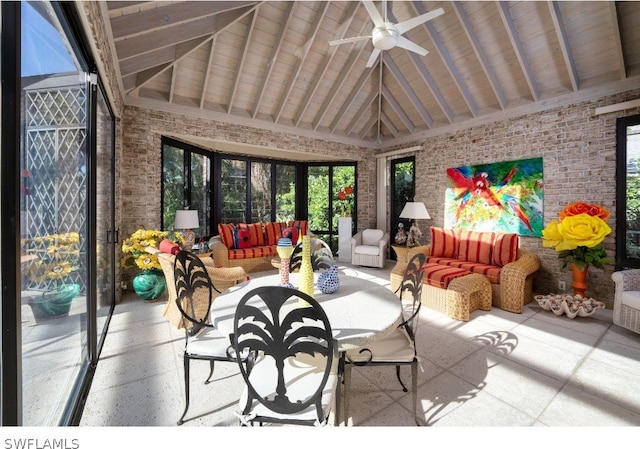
{"points": [[621, 259]]}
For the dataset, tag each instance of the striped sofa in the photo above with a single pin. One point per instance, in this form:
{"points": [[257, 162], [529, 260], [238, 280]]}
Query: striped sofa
{"points": [[251, 246], [496, 256]]}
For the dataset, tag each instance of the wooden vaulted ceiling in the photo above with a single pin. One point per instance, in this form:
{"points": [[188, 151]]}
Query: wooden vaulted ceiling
{"points": [[269, 65]]}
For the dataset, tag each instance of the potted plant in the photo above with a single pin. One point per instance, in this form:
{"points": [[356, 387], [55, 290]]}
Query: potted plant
{"points": [[149, 283]]}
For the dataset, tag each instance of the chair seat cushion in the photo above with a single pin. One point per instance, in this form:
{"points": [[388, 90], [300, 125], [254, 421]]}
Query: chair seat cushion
{"points": [[209, 343], [631, 299], [367, 250], [302, 374], [396, 347]]}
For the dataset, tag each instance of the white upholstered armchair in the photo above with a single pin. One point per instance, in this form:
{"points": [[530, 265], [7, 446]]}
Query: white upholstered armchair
{"points": [[626, 303], [369, 248]]}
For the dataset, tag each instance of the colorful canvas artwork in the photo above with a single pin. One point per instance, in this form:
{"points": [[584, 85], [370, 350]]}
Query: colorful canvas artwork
{"points": [[499, 197]]}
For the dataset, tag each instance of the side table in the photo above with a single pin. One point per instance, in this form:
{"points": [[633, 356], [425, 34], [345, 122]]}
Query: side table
{"points": [[402, 256], [402, 252]]}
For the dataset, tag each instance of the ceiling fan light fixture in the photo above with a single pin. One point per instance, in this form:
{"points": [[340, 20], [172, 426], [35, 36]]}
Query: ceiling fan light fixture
{"points": [[384, 38]]}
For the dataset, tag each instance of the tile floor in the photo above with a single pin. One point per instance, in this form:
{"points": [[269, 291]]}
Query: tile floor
{"points": [[498, 369]]}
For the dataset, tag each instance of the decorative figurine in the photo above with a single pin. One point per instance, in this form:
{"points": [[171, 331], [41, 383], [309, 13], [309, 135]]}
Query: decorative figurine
{"points": [[414, 235], [401, 236]]}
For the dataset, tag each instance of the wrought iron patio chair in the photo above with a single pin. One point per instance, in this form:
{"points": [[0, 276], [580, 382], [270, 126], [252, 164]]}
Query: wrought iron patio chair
{"points": [[399, 348]]}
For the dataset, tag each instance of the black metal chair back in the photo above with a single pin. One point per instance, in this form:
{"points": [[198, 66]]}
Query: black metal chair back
{"points": [[194, 291], [273, 323], [411, 292]]}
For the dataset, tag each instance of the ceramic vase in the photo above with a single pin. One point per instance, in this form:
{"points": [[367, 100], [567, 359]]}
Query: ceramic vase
{"points": [[149, 284], [56, 302], [306, 270], [579, 280], [285, 249], [329, 281]]}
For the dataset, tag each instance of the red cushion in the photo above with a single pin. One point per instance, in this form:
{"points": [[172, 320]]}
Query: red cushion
{"points": [[226, 234], [255, 231], [476, 246], [505, 249], [302, 225], [243, 239], [441, 275], [273, 232], [291, 233], [444, 242], [169, 247]]}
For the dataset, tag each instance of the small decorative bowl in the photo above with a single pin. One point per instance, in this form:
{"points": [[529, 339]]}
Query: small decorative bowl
{"points": [[569, 305]]}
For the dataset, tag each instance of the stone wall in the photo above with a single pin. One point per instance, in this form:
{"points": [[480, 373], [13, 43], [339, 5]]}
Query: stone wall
{"points": [[579, 161]]}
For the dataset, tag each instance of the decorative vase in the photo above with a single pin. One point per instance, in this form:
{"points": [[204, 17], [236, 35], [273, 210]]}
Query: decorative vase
{"points": [[285, 249], [329, 281], [579, 280], [149, 284], [306, 269], [56, 302]]}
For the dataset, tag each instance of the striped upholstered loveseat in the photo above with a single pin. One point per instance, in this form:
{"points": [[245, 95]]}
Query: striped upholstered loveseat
{"points": [[252, 246]]}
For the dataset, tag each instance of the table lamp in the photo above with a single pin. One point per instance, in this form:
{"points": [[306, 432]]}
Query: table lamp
{"points": [[187, 220], [414, 211]]}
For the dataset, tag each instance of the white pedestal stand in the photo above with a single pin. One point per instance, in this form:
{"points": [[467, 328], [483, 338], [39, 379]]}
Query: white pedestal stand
{"points": [[344, 239]]}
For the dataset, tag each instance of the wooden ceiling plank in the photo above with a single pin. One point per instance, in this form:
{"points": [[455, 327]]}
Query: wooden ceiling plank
{"points": [[448, 61], [172, 14], [205, 82], [480, 54], [556, 17], [207, 26], [408, 90], [243, 58], [313, 30], [347, 18], [397, 108], [274, 55], [349, 100], [366, 104], [613, 6], [433, 86], [516, 43], [367, 127], [147, 61]]}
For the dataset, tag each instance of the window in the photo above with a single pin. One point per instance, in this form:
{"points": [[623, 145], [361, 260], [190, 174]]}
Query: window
{"points": [[402, 190], [628, 193]]}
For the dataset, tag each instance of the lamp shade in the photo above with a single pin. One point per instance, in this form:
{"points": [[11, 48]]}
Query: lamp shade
{"points": [[414, 210], [186, 219]]}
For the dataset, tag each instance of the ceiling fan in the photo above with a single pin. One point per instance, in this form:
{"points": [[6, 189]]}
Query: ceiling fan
{"points": [[386, 35]]}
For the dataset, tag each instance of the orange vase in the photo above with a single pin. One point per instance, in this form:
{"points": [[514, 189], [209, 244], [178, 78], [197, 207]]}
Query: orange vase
{"points": [[579, 280]]}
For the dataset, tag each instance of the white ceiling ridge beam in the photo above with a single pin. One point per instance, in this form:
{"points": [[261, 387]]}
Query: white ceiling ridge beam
{"points": [[205, 82], [514, 113], [556, 17], [366, 104], [344, 74], [448, 61], [349, 100], [433, 86], [617, 39], [206, 27], [387, 95], [223, 117], [480, 54], [313, 31], [516, 43], [245, 52], [274, 54], [408, 90], [181, 51], [348, 16], [131, 25]]}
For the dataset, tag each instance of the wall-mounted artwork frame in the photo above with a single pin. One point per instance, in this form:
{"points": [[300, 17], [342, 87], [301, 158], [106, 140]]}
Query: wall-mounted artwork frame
{"points": [[500, 197]]}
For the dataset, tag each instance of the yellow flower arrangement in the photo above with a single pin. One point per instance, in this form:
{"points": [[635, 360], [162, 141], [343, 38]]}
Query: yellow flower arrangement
{"points": [[134, 248], [579, 234], [58, 256]]}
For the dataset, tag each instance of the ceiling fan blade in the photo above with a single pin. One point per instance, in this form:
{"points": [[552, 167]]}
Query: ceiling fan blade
{"points": [[412, 23], [349, 39], [406, 43], [373, 57], [373, 13]]}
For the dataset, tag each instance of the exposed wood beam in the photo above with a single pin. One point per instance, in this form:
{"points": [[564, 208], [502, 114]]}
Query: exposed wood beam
{"points": [[163, 17], [311, 34], [387, 95], [613, 6], [347, 17], [408, 90], [556, 17], [208, 26], [147, 61], [516, 43], [448, 61], [272, 58], [432, 85], [349, 100], [173, 82], [385, 120], [373, 121], [205, 82], [366, 104], [480, 54], [243, 58]]}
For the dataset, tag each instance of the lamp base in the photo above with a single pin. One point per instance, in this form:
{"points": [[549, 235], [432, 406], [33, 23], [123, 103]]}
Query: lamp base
{"points": [[189, 239]]}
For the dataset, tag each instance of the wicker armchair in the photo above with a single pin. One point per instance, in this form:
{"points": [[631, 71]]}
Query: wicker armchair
{"points": [[516, 280], [626, 303], [369, 248]]}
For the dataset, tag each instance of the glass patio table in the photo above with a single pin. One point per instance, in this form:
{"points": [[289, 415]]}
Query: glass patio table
{"points": [[359, 312]]}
